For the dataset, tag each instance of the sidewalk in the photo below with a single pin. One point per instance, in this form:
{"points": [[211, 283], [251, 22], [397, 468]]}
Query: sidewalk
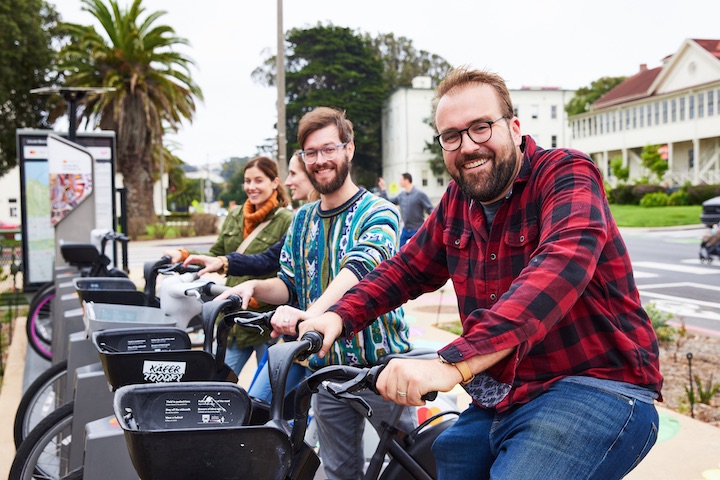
{"points": [[687, 449]]}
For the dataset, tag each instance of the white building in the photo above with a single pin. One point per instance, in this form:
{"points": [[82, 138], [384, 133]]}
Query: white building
{"points": [[676, 104], [10, 197], [406, 130]]}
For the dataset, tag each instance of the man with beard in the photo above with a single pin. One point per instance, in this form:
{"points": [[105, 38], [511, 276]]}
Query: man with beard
{"points": [[330, 246], [557, 353]]}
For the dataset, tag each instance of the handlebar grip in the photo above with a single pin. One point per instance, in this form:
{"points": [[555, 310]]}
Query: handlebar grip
{"points": [[213, 289], [429, 396]]}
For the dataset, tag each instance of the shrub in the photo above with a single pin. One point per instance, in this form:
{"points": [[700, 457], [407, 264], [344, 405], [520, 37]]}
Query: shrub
{"points": [[679, 198], [700, 193], [640, 190], [204, 223], [622, 195], [158, 230], [657, 199], [665, 333]]}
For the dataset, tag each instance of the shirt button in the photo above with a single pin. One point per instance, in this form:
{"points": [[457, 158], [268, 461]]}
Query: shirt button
{"points": [[492, 297], [457, 242], [493, 256], [522, 238]]}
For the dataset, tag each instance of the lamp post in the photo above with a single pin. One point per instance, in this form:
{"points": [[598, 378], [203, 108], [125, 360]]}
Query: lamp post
{"points": [[72, 95], [280, 67]]}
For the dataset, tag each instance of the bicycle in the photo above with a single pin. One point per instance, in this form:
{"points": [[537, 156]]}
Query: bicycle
{"points": [[227, 444], [90, 262], [43, 394]]}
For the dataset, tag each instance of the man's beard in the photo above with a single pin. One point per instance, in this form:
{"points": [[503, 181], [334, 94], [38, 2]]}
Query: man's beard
{"points": [[486, 187], [342, 170]]}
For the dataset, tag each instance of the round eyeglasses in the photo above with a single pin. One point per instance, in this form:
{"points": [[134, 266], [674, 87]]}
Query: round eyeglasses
{"points": [[478, 132], [328, 152]]}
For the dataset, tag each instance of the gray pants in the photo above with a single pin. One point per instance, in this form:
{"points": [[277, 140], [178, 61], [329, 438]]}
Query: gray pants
{"points": [[340, 431]]}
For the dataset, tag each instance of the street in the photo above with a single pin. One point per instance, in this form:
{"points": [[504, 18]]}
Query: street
{"points": [[669, 273]]}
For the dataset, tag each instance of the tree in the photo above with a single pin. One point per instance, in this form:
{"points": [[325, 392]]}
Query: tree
{"points": [[27, 29], [586, 96], [402, 62], [653, 161], [153, 89], [333, 66]]}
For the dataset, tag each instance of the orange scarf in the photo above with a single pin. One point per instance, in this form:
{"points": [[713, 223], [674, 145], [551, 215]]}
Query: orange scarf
{"points": [[253, 218]]}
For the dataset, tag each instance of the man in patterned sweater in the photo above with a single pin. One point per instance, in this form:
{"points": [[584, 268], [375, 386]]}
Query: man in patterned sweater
{"points": [[557, 353], [330, 246]]}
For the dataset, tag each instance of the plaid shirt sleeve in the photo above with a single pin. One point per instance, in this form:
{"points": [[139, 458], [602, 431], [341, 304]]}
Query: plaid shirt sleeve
{"points": [[552, 278]]}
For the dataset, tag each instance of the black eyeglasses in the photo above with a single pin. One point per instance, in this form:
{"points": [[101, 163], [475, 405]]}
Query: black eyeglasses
{"points": [[328, 152], [479, 132]]}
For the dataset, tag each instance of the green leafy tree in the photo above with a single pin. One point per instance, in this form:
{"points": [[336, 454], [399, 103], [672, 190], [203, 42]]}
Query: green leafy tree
{"points": [[334, 66], [27, 29], [402, 61], [153, 89], [653, 161], [618, 170], [586, 96], [437, 162], [234, 190], [232, 166]]}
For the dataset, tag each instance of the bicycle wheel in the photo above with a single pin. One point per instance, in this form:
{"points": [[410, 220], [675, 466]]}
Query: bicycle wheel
{"points": [[44, 453], [39, 324], [40, 399]]}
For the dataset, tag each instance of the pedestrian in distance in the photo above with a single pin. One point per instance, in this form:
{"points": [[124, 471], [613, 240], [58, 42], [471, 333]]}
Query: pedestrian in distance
{"points": [[413, 203], [557, 353]]}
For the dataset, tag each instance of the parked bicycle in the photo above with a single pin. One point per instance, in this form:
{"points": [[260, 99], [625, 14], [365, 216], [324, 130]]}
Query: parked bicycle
{"points": [[90, 262]]}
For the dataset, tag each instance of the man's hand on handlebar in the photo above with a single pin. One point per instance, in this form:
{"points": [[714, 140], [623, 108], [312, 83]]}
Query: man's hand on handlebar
{"points": [[211, 264], [406, 380], [329, 324]]}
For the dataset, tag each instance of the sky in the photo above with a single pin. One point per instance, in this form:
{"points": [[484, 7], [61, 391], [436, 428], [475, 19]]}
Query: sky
{"points": [[562, 43]]}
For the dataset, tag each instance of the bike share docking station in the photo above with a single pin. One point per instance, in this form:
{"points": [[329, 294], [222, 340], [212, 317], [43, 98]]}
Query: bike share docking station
{"points": [[82, 207]]}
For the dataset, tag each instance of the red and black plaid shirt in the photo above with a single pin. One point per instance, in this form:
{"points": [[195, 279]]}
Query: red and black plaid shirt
{"points": [[552, 277]]}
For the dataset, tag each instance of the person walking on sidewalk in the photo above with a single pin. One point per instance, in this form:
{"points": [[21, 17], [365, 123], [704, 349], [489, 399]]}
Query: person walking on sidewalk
{"points": [[413, 203], [557, 353]]}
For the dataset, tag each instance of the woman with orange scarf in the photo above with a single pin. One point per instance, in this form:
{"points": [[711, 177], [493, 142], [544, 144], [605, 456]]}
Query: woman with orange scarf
{"points": [[264, 218]]}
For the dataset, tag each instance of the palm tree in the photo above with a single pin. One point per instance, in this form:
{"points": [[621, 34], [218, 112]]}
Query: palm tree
{"points": [[153, 90]]}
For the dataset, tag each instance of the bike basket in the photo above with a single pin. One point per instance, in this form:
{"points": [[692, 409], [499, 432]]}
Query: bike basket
{"points": [[151, 355], [101, 316], [198, 430], [109, 290]]}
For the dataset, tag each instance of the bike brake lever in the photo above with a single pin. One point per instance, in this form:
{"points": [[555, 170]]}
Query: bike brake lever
{"points": [[339, 390]]}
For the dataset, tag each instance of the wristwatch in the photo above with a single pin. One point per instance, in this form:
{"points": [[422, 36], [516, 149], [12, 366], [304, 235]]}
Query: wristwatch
{"points": [[462, 367]]}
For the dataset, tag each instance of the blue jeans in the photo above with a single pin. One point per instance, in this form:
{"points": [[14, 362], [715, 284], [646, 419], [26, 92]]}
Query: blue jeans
{"points": [[236, 358], [571, 431], [260, 386], [405, 235]]}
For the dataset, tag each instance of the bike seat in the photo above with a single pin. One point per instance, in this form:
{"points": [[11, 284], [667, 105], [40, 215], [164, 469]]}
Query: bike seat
{"points": [[79, 254]]}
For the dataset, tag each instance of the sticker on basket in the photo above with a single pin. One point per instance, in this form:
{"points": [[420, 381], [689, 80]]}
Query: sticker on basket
{"points": [[211, 409], [156, 372]]}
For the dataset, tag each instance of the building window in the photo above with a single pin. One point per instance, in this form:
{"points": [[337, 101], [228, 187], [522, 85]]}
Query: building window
{"points": [[602, 124], [553, 141], [682, 109], [553, 112], [516, 111], [13, 212], [673, 110], [535, 111], [641, 116], [657, 113], [627, 119], [691, 107], [649, 115], [701, 105], [441, 181], [665, 111], [711, 104], [614, 121]]}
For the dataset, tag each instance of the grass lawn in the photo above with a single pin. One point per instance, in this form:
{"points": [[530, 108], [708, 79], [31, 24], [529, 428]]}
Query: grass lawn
{"points": [[636, 216]]}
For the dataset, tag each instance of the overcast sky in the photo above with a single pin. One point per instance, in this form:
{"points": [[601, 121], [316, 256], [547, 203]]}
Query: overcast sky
{"points": [[562, 43]]}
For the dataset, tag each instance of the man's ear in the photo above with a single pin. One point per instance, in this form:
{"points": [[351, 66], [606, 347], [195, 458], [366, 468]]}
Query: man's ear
{"points": [[350, 150]]}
